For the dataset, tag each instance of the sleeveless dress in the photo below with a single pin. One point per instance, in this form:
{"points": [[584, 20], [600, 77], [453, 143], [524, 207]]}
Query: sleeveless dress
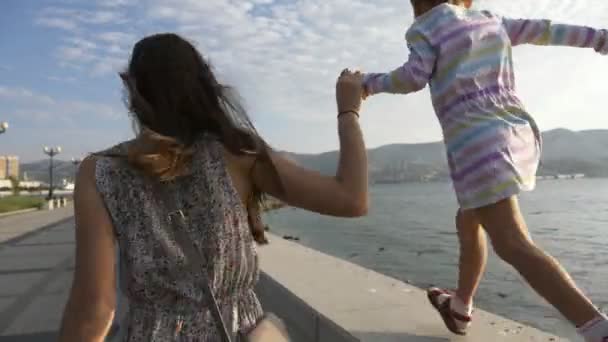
{"points": [[160, 308]]}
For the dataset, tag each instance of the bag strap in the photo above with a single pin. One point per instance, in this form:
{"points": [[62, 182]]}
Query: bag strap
{"points": [[177, 221]]}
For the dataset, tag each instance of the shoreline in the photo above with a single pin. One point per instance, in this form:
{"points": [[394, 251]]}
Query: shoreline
{"points": [[401, 240], [556, 178]]}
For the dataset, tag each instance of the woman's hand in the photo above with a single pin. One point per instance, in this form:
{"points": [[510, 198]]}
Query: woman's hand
{"points": [[349, 91], [345, 194]]}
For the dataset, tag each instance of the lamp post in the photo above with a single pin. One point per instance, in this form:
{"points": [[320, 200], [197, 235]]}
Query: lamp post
{"points": [[76, 162], [51, 152], [3, 127]]}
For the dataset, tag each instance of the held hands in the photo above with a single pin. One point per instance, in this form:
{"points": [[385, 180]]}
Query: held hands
{"points": [[365, 93], [349, 91], [602, 45]]}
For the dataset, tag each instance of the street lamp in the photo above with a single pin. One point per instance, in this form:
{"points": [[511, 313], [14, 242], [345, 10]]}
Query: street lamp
{"points": [[51, 152], [3, 127], [76, 162]]}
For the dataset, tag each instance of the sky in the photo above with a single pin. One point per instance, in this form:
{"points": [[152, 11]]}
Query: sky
{"points": [[59, 61]]}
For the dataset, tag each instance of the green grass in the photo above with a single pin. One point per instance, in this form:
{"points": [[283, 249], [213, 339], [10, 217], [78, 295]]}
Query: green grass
{"points": [[12, 203]]}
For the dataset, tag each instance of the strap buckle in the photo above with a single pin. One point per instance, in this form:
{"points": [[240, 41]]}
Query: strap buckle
{"points": [[177, 213]]}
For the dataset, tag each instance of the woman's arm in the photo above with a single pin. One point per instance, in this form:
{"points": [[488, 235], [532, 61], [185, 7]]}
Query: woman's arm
{"points": [[344, 194], [90, 308], [545, 32]]}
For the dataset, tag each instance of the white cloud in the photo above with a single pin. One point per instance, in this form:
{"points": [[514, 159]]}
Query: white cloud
{"points": [[82, 43], [62, 79], [85, 109], [98, 58], [74, 19], [108, 65], [60, 23], [284, 57], [116, 3], [26, 103], [74, 54], [116, 37], [22, 95], [104, 17], [80, 127]]}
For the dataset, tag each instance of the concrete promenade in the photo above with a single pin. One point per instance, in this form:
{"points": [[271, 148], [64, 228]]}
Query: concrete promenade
{"points": [[322, 298], [36, 264]]}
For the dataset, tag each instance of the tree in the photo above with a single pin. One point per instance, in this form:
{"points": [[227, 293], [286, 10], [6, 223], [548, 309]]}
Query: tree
{"points": [[15, 185]]}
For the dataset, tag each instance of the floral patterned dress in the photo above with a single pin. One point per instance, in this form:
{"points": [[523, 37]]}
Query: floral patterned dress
{"points": [[161, 307]]}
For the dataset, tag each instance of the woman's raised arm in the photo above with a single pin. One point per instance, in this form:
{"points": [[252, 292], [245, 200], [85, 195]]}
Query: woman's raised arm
{"points": [[346, 193]]}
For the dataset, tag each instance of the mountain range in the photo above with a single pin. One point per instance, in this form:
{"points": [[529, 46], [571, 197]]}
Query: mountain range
{"points": [[564, 152]]}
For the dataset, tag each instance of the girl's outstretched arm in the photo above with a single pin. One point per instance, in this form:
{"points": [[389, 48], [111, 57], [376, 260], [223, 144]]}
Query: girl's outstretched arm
{"points": [[545, 32], [410, 77]]}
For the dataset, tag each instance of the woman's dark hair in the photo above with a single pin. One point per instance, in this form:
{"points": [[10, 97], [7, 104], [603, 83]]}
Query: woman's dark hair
{"points": [[174, 97]]}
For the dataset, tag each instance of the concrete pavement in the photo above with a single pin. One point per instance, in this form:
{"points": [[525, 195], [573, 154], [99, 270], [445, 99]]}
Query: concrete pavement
{"points": [[321, 297], [21, 224], [36, 263]]}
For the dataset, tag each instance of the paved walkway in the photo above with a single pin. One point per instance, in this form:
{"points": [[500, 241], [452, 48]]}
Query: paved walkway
{"points": [[21, 224], [36, 263], [36, 266]]}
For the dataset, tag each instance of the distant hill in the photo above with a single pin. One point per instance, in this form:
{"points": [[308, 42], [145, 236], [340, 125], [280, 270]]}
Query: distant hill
{"points": [[564, 152], [568, 152]]}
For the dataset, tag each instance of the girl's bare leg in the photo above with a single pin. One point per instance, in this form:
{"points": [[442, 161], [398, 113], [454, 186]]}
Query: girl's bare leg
{"points": [[473, 255], [510, 238]]}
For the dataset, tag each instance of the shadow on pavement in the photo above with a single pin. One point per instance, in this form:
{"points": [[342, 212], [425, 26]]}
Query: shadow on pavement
{"points": [[47, 336], [396, 337], [35, 337]]}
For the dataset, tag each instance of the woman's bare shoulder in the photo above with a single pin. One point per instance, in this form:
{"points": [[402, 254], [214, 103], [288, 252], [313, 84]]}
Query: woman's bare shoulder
{"points": [[240, 163]]}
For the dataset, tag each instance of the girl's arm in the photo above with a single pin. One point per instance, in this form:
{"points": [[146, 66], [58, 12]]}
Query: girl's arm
{"points": [[410, 77], [545, 32]]}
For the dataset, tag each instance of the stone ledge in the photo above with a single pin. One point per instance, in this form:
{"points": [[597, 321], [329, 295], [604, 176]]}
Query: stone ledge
{"points": [[323, 298]]}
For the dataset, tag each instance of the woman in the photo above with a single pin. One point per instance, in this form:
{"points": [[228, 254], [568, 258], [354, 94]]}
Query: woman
{"points": [[194, 142]]}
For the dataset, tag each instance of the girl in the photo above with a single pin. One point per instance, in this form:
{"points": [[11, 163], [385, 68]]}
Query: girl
{"points": [[493, 145]]}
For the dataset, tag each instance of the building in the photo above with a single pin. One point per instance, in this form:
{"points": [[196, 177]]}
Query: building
{"points": [[3, 165], [9, 167], [30, 185], [12, 169], [6, 185]]}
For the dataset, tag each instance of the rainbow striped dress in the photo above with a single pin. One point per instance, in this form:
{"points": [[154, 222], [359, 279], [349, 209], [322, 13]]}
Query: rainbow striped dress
{"points": [[493, 145]]}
